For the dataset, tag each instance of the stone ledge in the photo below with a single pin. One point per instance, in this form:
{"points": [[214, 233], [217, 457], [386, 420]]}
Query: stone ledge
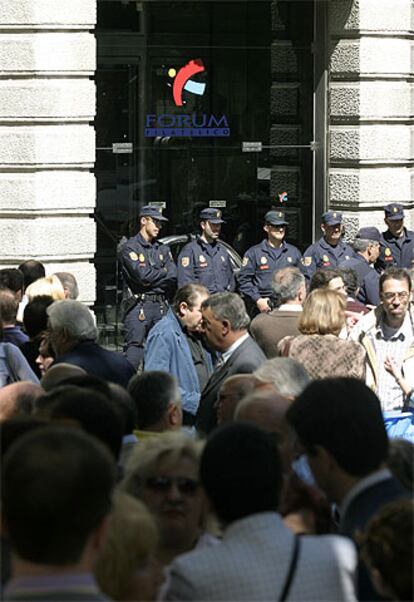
{"points": [[371, 55], [370, 15], [371, 100], [47, 13], [367, 187], [47, 53], [47, 98], [47, 144], [49, 190], [376, 143], [48, 237]]}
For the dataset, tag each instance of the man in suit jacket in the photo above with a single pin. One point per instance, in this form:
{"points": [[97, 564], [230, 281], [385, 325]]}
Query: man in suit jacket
{"points": [[58, 484], [241, 473], [340, 425], [225, 323], [73, 336]]}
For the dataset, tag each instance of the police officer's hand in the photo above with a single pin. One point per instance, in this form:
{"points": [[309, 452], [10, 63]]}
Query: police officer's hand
{"points": [[263, 305]]}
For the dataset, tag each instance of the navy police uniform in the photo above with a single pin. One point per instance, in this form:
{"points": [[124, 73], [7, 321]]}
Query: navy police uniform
{"points": [[368, 277], [321, 254], [150, 272], [206, 263], [262, 260], [396, 252]]}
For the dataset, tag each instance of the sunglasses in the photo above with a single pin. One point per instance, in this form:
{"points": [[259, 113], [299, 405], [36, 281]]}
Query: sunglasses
{"points": [[164, 484]]}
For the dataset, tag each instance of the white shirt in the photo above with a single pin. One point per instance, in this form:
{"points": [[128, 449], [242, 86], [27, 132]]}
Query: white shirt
{"points": [[227, 354]]}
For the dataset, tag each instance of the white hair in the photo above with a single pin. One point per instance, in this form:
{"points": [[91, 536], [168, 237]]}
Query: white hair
{"points": [[287, 375], [74, 317]]}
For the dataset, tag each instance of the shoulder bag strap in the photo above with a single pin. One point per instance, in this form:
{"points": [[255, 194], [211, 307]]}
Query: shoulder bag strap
{"points": [[292, 569]]}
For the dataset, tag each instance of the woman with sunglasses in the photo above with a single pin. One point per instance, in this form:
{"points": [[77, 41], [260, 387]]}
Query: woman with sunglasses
{"points": [[163, 473]]}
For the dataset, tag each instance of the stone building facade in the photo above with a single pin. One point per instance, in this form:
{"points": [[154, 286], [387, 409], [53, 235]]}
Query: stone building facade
{"points": [[48, 106]]}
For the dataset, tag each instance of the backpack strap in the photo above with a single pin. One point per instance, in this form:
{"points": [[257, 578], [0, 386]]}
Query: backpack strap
{"points": [[292, 569]]}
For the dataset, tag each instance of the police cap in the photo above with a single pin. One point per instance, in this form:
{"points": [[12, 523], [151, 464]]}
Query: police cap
{"points": [[212, 215], [369, 234], [275, 218], [394, 211], [152, 211], [331, 218]]}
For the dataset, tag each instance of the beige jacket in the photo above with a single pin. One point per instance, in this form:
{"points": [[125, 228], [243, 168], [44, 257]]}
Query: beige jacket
{"points": [[361, 332]]}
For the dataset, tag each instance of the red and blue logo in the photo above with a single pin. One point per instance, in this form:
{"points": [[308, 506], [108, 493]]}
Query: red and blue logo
{"points": [[183, 81], [185, 124]]}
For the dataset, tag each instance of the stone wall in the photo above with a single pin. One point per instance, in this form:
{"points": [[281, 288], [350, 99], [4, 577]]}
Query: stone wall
{"points": [[371, 109], [47, 142]]}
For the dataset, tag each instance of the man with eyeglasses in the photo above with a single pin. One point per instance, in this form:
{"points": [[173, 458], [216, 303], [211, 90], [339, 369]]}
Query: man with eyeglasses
{"points": [[387, 333], [261, 261], [151, 275]]}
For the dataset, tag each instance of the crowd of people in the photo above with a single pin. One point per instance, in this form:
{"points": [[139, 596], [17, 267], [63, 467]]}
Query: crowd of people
{"points": [[255, 440]]}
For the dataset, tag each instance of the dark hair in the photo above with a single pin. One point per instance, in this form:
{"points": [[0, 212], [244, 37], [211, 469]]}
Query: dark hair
{"points": [[17, 426], [35, 315], [241, 471], [322, 278], [188, 294], [8, 306], [395, 274], [57, 486], [152, 393], [125, 405], [351, 281], [388, 546], [11, 278], [32, 270], [343, 416], [94, 413]]}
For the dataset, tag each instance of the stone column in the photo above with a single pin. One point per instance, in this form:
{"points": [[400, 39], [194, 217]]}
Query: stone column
{"points": [[370, 109], [47, 140]]}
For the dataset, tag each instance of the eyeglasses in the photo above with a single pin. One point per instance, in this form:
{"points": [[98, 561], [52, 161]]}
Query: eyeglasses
{"points": [[164, 484], [402, 296]]}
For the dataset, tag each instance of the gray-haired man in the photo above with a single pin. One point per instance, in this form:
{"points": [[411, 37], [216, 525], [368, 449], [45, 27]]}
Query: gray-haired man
{"points": [[225, 323]]}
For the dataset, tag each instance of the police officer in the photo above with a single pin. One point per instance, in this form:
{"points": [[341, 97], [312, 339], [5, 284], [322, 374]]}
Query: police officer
{"points": [[205, 259], [397, 243], [262, 260], [367, 249], [330, 250], [150, 272]]}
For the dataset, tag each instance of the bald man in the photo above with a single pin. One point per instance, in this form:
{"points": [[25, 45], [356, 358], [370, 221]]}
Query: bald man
{"points": [[58, 373], [18, 398], [266, 409], [231, 392]]}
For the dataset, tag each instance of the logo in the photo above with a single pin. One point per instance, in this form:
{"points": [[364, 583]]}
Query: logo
{"points": [[186, 124], [182, 81]]}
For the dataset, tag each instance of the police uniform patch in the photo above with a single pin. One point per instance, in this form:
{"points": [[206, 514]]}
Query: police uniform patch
{"points": [[223, 259], [185, 262], [202, 259], [133, 256], [325, 259], [142, 257], [306, 261], [387, 252], [289, 260], [245, 261], [347, 257], [161, 257], [263, 260]]}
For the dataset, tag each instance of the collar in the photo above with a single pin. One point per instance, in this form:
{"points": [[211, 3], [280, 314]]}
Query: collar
{"points": [[204, 244], [326, 245], [376, 477], [408, 235], [66, 581], [268, 247], [227, 354], [143, 242], [290, 307]]}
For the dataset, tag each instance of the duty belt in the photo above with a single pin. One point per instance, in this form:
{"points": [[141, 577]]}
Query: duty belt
{"points": [[160, 297]]}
